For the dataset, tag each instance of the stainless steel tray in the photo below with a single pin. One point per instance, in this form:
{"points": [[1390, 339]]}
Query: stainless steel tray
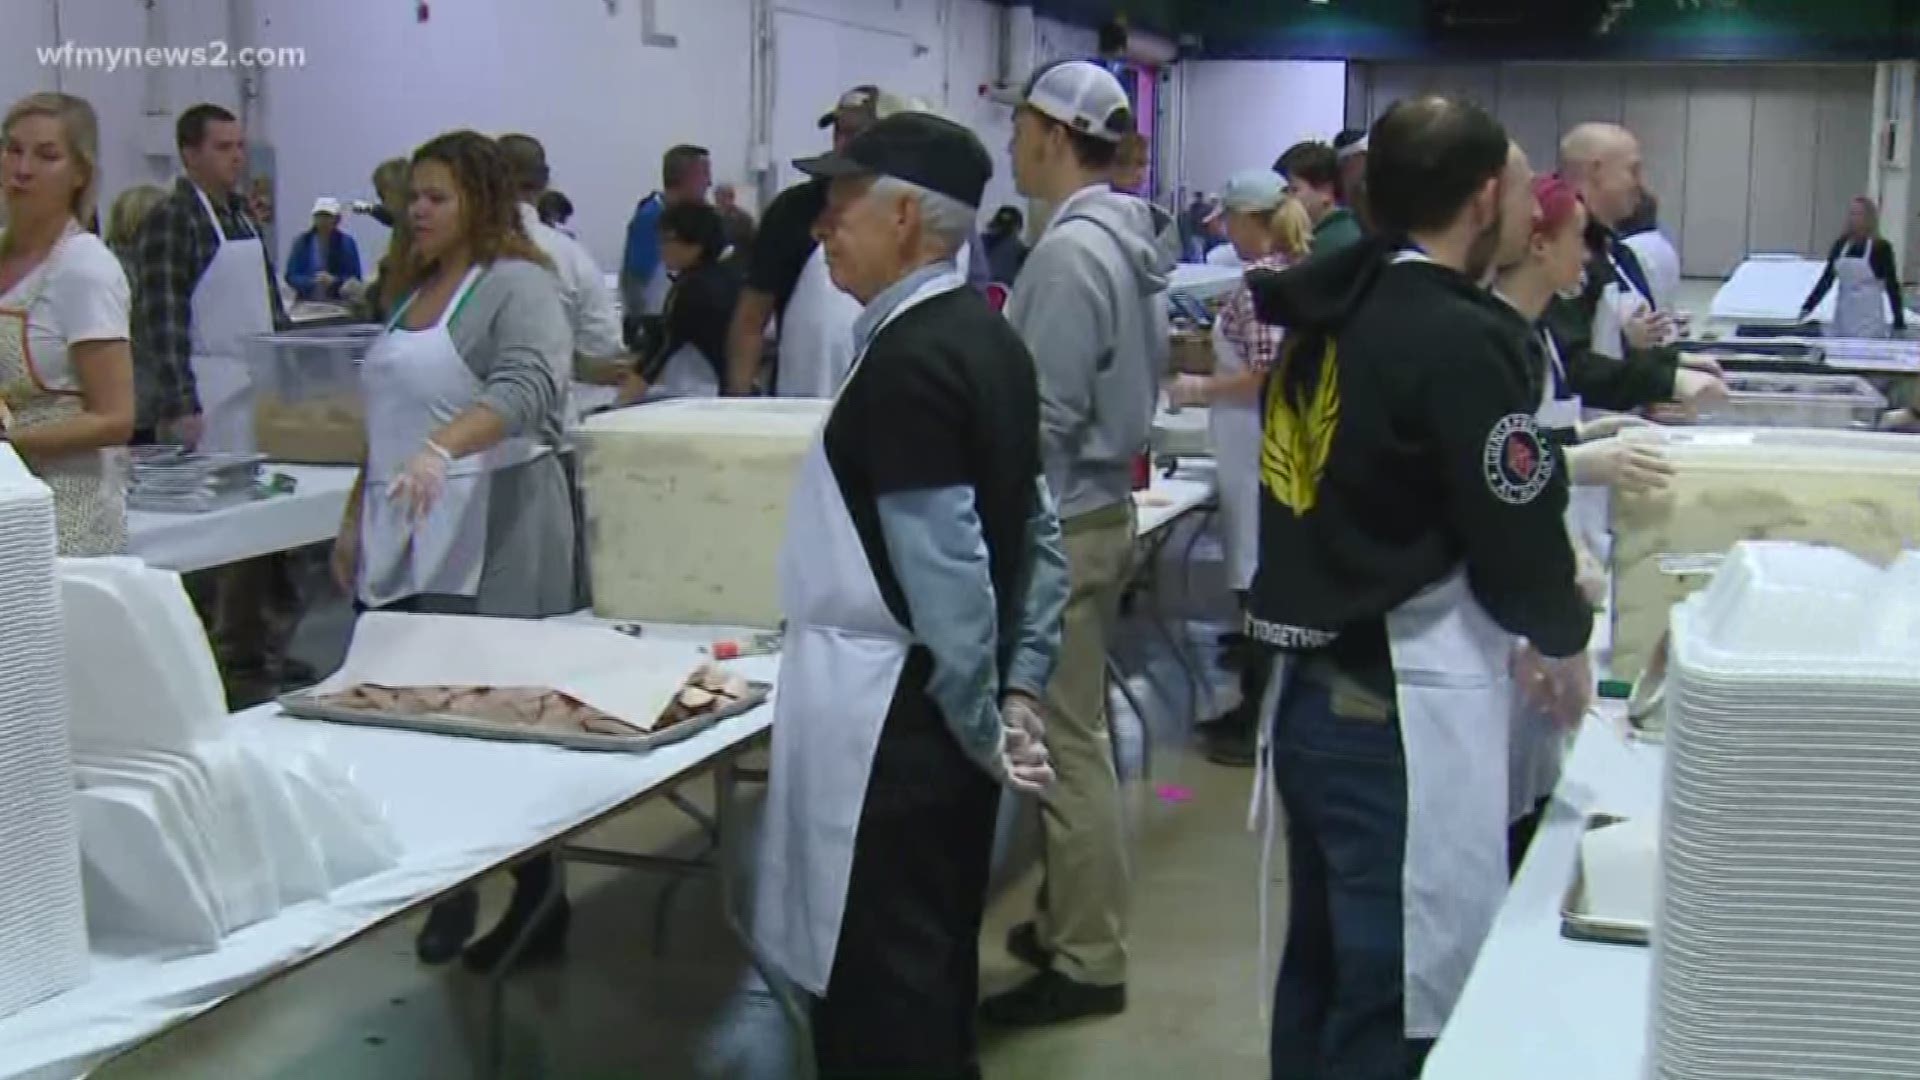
{"points": [[1576, 924], [305, 705]]}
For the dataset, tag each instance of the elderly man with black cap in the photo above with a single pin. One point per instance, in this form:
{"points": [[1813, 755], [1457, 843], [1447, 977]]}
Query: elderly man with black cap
{"points": [[922, 583]]}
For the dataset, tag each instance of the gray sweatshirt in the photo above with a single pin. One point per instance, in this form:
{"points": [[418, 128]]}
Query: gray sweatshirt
{"points": [[1090, 305]]}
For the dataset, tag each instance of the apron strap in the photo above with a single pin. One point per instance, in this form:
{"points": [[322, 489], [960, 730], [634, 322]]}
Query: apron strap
{"points": [[459, 300], [219, 231]]}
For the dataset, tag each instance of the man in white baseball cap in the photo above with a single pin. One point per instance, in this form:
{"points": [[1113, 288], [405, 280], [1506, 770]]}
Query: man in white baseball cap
{"points": [[323, 259], [1087, 305]]}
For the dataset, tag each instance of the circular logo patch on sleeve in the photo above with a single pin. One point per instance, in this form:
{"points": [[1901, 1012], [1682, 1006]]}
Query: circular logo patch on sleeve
{"points": [[1517, 461]]}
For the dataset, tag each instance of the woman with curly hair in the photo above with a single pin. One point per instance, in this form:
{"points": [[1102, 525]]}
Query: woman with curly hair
{"points": [[461, 507]]}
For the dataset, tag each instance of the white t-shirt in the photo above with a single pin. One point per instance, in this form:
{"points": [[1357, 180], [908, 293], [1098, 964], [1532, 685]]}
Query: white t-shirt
{"points": [[1662, 264], [591, 311], [83, 296]]}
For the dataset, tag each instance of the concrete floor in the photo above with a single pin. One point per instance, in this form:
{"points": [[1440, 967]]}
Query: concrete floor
{"points": [[628, 1004]]}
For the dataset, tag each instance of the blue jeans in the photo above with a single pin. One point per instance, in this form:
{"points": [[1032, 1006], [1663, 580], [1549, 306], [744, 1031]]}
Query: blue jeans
{"points": [[1339, 1010]]}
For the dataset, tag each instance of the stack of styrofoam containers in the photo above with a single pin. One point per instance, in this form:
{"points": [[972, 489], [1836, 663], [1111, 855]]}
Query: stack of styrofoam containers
{"points": [[686, 505], [189, 830], [1788, 933], [43, 930]]}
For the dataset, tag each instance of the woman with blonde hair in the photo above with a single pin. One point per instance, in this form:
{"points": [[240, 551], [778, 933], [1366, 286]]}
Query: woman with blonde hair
{"points": [[1861, 262], [66, 371], [123, 220], [1268, 231], [461, 507]]}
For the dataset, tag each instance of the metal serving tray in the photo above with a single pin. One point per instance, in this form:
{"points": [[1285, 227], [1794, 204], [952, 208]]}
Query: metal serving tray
{"points": [[306, 705], [1576, 924]]}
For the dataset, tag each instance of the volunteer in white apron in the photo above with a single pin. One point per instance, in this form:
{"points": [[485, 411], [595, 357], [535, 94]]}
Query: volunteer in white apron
{"points": [[888, 741], [1861, 263], [230, 305], [1554, 265], [66, 372], [1412, 529], [786, 276], [1268, 232], [689, 357], [462, 507]]}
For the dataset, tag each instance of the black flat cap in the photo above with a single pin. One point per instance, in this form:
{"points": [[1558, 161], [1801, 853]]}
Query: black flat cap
{"points": [[917, 147]]}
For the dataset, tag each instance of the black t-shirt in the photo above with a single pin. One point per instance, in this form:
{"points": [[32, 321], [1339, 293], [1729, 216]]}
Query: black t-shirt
{"points": [[785, 241], [946, 397]]}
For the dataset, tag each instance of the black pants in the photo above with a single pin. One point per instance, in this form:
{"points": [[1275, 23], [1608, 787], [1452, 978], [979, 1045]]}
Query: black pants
{"points": [[901, 997]]}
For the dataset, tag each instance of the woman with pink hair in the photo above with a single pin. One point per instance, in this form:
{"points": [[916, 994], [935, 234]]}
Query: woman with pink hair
{"points": [[1554, 264], [1861, 261]]}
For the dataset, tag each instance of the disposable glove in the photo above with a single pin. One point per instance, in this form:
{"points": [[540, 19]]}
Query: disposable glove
{"points": [[1623, 466], [1023, 763], [1647, 328], [1697, 390], [421, 480], [1560, 689], [1188, 391], [1601, 427]]}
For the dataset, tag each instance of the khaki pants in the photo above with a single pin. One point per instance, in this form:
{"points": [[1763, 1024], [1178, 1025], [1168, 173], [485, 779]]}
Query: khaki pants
{"points": [[1083, 892]]}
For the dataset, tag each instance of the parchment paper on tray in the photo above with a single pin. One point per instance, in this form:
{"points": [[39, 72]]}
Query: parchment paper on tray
{"points": [[634, 683]]}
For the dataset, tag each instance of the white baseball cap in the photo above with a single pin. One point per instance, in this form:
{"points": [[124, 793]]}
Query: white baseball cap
{"points": [[1084, 96], [327, 204], [1254, 191]]}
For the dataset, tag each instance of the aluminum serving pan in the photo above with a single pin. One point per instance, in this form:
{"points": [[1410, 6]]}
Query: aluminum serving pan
{"points": [[1577, 924], [306, 706]]}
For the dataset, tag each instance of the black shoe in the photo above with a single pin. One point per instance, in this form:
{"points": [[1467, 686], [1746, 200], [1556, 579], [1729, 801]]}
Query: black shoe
{"points": [[545, 943], [1233, 747], [1234, 719], [449, 925], [297, 674], [1023, 943], [1052, 998]]}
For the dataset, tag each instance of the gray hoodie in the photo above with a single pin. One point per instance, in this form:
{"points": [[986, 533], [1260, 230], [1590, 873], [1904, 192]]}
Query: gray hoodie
{"points": [[1091, 306]]}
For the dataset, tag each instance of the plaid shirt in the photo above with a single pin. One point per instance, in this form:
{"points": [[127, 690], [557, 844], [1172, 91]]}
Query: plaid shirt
{"points": [[173, 247], [1257, 342]]}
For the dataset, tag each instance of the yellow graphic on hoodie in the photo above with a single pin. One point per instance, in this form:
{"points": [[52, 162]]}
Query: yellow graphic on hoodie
{"points": [[1298, 438]]}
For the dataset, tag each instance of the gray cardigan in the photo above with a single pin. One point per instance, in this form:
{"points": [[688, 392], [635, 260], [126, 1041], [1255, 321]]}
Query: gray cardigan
{"points": [[512, 331]]}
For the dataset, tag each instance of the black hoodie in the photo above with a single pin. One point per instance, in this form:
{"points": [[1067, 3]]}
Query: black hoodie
{"points": [[1417, 456]]}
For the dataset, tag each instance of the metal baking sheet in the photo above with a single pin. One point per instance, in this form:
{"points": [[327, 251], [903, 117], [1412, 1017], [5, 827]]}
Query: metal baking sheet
{"points": [[305, 705], [1576, 924]]}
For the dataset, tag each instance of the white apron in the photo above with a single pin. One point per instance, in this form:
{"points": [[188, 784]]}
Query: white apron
{"points": [[89, 488], [1538, 746], [685, 374], [1235, 429], [1453, 688], [816, 333], [839, 666], [415, 383], [1860, 299], [230, 304]]}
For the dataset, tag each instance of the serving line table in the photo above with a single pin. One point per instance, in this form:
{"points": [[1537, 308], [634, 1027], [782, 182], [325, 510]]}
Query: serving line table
{"points": [[461, 809], [310, 514], [1169, 499], [1541, 1005]]}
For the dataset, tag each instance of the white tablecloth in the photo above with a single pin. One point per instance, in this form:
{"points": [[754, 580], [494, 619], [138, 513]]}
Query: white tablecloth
{"points": [[459, 806], [1170, 499], [1539, 1005], [187, 542], [1771, 288]]}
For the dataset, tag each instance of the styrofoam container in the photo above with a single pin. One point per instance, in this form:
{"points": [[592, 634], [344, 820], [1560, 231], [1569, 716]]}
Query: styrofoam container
{"points": [[686, 506]]}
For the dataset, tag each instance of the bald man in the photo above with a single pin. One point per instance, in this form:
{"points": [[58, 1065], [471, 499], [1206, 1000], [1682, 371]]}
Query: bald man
{"points": [[1612, 335]]}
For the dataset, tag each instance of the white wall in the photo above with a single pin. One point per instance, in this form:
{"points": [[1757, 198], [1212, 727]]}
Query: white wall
{"points": [[574, 73], [1241, 114], [1744, 158]]}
